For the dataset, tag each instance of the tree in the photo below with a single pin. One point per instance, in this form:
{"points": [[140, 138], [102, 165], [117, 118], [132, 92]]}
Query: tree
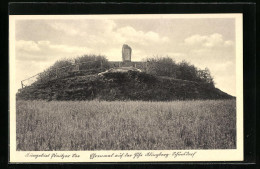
{"points": [[205, 76], [187, 71]]}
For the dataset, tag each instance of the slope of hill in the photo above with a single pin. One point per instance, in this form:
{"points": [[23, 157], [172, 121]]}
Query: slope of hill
{"points": [[120, 86]]}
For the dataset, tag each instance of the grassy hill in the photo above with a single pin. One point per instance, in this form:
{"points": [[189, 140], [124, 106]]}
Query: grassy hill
{"points": [[120, 86]]}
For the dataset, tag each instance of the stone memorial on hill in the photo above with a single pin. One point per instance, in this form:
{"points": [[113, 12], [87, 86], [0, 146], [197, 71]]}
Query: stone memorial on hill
{"points": [[126, 53]]}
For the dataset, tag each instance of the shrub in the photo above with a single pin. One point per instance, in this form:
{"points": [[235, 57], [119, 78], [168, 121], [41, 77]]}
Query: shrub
{"points": [[64, 67], [92, 62], [59, 69], [166, 66]]}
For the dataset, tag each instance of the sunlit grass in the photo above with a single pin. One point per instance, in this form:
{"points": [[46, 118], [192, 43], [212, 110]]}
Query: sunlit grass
{"points": [[131, 125]]}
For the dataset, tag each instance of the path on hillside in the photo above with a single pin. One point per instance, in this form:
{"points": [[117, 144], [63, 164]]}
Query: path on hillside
{"points": [[171, 78]]}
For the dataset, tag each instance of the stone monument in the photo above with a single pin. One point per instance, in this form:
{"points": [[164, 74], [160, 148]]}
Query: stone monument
{"points": [[126, 53]]}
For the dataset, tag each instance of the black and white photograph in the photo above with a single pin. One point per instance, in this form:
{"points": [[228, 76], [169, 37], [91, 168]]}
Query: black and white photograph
{"points": [[122, 88]]}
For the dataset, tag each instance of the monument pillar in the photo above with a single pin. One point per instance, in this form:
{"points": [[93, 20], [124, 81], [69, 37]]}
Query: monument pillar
{"points": [[126, 55]]}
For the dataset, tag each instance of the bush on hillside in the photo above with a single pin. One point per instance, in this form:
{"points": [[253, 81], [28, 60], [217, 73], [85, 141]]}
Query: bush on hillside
{"points": [[92, 62], [166, 66], [63, 68], [59, 69], [205, 76]]}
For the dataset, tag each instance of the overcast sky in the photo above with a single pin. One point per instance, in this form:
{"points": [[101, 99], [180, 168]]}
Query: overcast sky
{"points": [[203, 42]]}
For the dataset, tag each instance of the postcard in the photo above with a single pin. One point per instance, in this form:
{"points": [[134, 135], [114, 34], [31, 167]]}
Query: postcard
{"points": [[126, 88]]}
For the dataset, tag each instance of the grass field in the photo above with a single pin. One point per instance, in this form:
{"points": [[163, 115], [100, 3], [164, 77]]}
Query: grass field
{"points": [[132, 125]]}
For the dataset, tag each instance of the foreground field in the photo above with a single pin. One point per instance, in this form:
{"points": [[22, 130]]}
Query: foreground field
{"points": [[118, 125]]}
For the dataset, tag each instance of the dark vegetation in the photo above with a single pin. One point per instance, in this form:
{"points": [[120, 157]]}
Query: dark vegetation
{"points": [[162, 80], [88, 64], [166, 66]]}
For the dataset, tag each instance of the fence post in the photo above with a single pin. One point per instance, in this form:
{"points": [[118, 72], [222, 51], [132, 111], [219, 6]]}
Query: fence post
{"points": [[22, 84], [101, 65]]}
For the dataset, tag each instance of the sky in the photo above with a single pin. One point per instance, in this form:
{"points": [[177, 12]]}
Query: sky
{"points": [[203, 42]]}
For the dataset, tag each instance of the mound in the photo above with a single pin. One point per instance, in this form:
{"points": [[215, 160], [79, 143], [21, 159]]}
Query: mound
{"points": [[131, 85]]}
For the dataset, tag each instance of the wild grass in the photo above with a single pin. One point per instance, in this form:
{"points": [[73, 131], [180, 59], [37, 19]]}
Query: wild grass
{"points": [[131, 125]]}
